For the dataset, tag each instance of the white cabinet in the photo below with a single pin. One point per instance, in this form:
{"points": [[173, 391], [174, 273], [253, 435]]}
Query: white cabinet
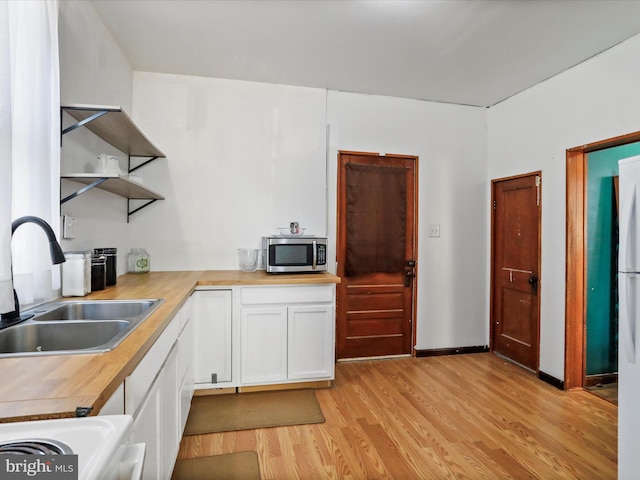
{"points": [[146, 429], [170, 432], [311, 352], [158, 395], [212, 351], [287, 333], [248, 335], [156, 422], [263, 334]]}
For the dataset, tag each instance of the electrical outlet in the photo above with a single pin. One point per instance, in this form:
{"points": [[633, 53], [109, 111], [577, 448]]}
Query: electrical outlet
{"points": [[434, 230], [68, 227]]}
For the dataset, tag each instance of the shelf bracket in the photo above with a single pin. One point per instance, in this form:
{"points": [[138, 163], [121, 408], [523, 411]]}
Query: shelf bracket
{"points": [[131, 212], [151, 159], [85, 121], [83, 189]]}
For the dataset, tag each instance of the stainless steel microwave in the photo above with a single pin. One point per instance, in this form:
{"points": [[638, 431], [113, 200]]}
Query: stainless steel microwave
{"points": [[294, 254]]}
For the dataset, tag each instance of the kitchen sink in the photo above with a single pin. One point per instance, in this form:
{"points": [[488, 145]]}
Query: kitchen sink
{"points": [[77, 326], [95, 310], [60, 336]]}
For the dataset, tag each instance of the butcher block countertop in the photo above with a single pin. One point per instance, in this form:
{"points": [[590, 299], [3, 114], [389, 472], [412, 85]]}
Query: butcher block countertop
{"points": [[53, 386], [260, 277]]}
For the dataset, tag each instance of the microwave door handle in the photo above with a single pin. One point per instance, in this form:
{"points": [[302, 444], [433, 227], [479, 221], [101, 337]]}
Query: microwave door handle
{"points": [[315, 255]]}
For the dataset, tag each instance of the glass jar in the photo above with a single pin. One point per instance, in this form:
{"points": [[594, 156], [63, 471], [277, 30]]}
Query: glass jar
{"points": [[248, 258], [138, 261]]}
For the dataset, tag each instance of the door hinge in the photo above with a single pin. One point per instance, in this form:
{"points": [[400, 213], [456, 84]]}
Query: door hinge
{"points": [[538, 182], [494, 205]]}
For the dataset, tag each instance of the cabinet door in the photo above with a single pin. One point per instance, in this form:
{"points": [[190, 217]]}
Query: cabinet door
{"points": [[185, 362], [212, 347], [263, 336], [169, 384], [311, 342], [147, 430]]}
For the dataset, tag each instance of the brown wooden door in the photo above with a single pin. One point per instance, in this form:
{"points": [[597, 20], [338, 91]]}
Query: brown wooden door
{"points": [[376, 254], [515, 300]]}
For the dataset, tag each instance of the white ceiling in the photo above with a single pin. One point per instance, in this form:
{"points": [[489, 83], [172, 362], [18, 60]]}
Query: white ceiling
{"points": [[472, 52]]}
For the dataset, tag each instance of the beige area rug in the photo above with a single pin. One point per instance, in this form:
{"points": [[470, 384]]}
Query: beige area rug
{"points": [[231, 466], [246, 411]]}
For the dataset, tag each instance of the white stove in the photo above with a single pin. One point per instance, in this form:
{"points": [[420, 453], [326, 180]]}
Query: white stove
{"points": [[102, 444]]}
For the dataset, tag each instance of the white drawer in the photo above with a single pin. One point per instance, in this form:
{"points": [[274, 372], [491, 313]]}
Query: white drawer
{"points": [[269, 295]]}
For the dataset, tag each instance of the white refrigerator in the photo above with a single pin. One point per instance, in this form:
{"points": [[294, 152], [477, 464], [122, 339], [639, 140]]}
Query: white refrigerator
{"points": [[629, 318]]}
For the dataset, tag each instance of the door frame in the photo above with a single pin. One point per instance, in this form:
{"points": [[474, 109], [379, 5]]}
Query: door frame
{"points": [[576, 257], [492, 257], [416, 203]]}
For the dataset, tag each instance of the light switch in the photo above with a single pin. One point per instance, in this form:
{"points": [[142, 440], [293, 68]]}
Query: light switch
{"points": [[68, 227], [434, 230]]}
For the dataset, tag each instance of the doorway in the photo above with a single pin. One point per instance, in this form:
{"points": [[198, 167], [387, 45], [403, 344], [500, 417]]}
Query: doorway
{"points": [[576, 261], [376, 254], [515, 268], [591, 319]]}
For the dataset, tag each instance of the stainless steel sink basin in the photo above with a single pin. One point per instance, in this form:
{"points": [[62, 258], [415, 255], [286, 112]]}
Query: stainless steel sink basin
{"points": [[76, 326], [60, 336], [95, 310]]}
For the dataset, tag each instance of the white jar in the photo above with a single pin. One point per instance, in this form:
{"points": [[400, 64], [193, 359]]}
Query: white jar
{"points": [[76, 278]]}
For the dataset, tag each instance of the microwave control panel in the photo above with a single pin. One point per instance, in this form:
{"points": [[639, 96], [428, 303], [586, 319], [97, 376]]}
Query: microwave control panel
{"points": [[322, 254]]}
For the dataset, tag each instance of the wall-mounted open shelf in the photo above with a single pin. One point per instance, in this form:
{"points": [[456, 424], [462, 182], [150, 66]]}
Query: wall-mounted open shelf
{"points": [[118, 184], [114, 126]]}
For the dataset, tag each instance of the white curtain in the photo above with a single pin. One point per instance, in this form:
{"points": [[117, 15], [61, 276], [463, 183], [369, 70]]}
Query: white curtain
{"points": [[30, 148], [6, 287]]}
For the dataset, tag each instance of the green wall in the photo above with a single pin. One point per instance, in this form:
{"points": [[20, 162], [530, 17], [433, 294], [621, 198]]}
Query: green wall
{"points": [[602, 259]]}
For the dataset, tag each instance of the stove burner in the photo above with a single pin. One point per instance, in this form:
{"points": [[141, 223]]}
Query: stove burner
{"points": [[34, 446]]}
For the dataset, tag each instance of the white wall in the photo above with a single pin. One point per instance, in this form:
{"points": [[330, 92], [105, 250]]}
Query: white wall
{"points": [[450, 142], [596, 100], [93, 70], [243, 159]]}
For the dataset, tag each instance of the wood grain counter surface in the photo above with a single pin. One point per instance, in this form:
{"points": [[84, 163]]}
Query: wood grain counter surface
{"points": [[260, 277], [53, 386]]}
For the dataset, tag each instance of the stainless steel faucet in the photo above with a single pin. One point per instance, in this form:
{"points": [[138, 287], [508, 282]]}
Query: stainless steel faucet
{"points": [[57, 256]]}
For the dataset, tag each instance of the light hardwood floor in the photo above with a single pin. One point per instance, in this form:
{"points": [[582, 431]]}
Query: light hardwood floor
{"points": [[470, 416]]}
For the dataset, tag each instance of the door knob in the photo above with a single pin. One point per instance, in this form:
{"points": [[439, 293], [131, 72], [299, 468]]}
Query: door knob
{"points": [[533, 280], [408, 277]]}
